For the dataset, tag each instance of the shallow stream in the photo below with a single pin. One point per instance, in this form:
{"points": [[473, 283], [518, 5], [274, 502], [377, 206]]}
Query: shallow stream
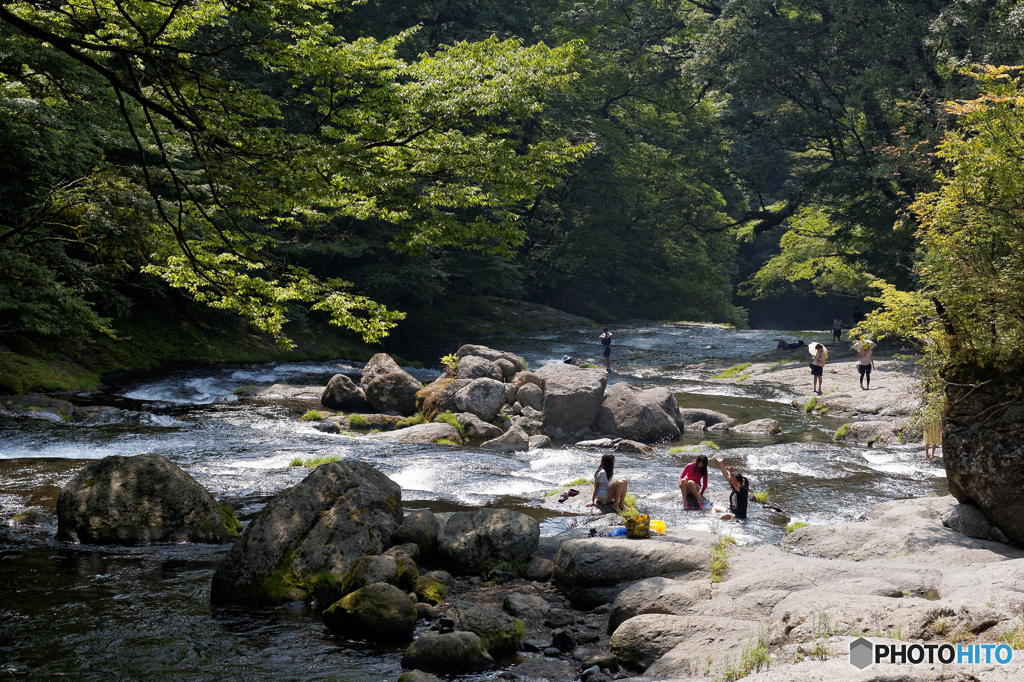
{"points": [[93, 612]]}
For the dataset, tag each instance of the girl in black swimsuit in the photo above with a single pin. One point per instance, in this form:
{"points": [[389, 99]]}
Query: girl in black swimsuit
{"points": [[740, 485]]}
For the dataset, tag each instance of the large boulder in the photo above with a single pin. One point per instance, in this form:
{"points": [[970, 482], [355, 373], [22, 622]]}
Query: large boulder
{"points": [[984, 459], [482, 397], [692, 415], [642, 641], [572, 396], [439, 396], [344, 395], [525, 605], [532, 396], [513, 440], [967, 519], [378, 612], [452, 653], [497, 630], [420, 528], [399, 571], [593, 571], [470, 541], [657, 595], [523, 378], [476, 430], [474, 367], [338, 513], [647, 416], [388, 386], [490, 354], [137, 500]]}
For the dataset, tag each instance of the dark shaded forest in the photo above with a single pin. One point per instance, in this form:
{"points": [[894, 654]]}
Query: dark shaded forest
{"points": [[353, 162]]}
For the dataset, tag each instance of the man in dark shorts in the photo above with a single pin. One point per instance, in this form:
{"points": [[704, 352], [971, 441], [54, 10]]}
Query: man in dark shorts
{"points": [[606, 341], [837, 329], [865, 362]]}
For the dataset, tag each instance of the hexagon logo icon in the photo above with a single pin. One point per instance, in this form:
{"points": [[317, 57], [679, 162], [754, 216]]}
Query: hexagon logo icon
{"points": [[862, 653]]}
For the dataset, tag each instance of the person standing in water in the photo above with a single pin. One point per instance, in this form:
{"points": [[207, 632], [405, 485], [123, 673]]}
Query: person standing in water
{"points": [[865, 362], [818, 357], [606, 341]]}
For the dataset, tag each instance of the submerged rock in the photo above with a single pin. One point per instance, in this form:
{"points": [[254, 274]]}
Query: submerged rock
{"points": [[378, 612], [648, 416], [421, 433], [137, 500], [471, 541], [338, 513], [572, 395], [691, 415], [388, 386]]}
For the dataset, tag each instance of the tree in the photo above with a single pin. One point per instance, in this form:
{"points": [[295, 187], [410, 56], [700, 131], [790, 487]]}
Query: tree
{"points": [[233, 126]]}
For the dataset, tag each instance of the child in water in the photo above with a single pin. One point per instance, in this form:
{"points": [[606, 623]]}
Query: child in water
{"points": [[740, 485], [694, 481]]}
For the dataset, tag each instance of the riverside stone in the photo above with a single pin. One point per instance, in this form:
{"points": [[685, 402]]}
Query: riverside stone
{"points": [[344, 394], [690, 415], [451, 653], [367, 570], [648, 416], [420, 433], [475, 429], [377, 612], [513, 440], [572, 395], [474, 367], [697, 645], [491, 354], [525, 605], [420, 528], [482, 397], [657, 595], [531, 395], [138, 500], [469, 541], [539, 442], [439, 396], [967, 519], [768, 427], [388, 387], [338, 513], [496, 629]]}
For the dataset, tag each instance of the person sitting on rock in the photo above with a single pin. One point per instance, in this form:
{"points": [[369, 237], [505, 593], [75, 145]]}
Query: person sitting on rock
{"points": [[740, 485], [607, 491], [694, 481], [570, 360]]}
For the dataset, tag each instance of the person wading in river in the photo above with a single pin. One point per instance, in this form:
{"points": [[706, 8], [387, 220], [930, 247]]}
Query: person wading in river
{"points": [[694, 481], [740, 485], [818, 357], [606, 341], [606, 490]]}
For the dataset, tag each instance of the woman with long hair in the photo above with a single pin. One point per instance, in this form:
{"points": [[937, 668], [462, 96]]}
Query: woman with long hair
{"points": [[606, 490], [694, 481]]}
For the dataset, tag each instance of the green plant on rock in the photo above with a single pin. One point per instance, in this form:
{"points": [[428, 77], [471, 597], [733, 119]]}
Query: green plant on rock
{"points": [[507, 566], [448, 418], [11, 385], [434, 593], [312, 416], [410, 421], [841, 432], [761, 496], [720, 558], [313, 462], [811, 404], [444, 441], [358, 421], [793, 525], [732, 372], [754, 657], [451, 363], [711, 444]]}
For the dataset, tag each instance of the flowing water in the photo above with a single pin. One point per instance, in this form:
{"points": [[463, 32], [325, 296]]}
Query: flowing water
{"points": [[131, 613]]}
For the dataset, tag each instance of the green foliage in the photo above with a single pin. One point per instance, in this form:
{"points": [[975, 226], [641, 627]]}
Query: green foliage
{"points": [[841, 432], [314, 462], [755, 656], [434, 593], [358, 421], [720, 558], [732, 372], [411, 420], [811, 404], [451, 363], [761, 496], [312, 416], [11, 385], [448, 418], [514, 566], [445, 441], [793, 525], [580, 481], [711, 444]]}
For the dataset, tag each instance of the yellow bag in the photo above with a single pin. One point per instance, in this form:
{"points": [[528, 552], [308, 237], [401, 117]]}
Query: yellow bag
{"points": [[639, 526], [658, 526]]}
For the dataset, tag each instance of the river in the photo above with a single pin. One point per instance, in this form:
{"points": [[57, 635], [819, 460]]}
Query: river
{"points": [[132, 613]]}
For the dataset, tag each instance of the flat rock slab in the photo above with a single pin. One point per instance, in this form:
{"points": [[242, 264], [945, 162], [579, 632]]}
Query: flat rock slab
{"points": [[288, 392], [640, 642], [420, 433]]}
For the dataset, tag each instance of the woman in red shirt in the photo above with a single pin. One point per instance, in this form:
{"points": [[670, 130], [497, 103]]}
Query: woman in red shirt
{"points": [[694, 481]]}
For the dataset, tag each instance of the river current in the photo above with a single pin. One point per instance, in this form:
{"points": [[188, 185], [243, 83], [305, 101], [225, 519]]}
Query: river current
{"points": [[144, 613]]}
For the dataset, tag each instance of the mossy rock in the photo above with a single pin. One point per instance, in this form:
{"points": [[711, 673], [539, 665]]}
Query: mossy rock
{"points": [[11, 385], [451, 653], [380, 612], [499, 633]]}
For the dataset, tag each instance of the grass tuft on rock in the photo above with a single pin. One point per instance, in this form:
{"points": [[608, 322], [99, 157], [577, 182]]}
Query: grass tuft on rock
{"points": [[754, 657], [733, 371], [448, 418], [761, 496], [312, 416], [794, 525], [444, 441], [410, 421], [358, 421], [841, 432], [720, 558], [313, 462], [811, 404]]}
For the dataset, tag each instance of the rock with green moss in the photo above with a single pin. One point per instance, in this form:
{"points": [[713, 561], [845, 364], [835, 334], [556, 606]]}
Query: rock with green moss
{"points": [[420, 528], [438, 397], [379, 612], [452, 653], [139, 500], [471, 541], [421, 433], [398, 571], [11, 385], [338, 513], [432, 587], [41, 406], [499, 632]]}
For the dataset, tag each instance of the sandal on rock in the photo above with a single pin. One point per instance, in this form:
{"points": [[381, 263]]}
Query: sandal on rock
{"points": [[563, 498], [572, 492]]}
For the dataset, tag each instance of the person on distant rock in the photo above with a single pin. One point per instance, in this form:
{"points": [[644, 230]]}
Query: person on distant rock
{"points": [[607, 491], [694, 481], [818, 357], [740, 485], [865, 362], [606, 341], [570, 360], [837, 329]]}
